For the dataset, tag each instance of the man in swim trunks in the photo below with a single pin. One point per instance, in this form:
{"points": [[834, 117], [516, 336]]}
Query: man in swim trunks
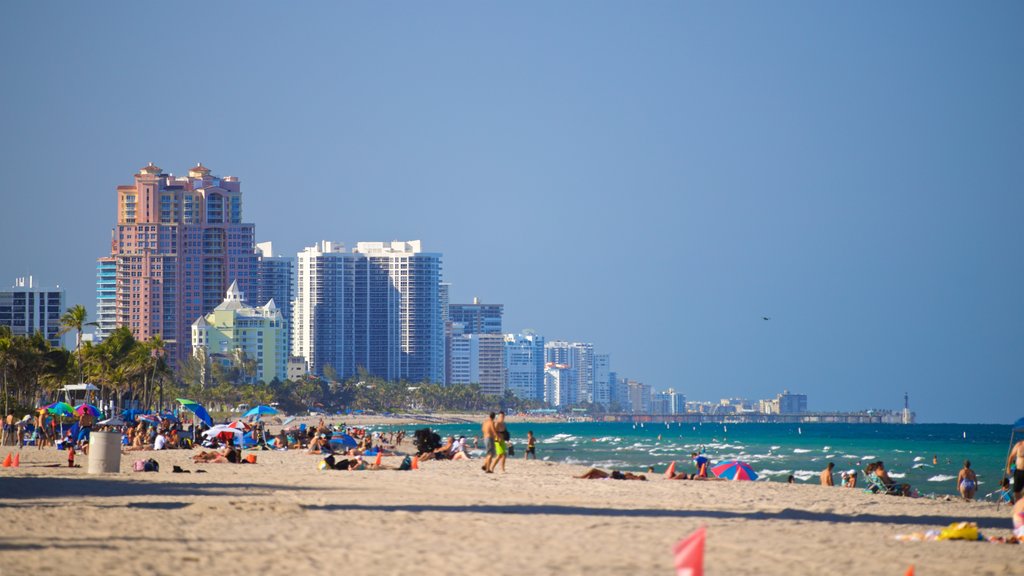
{"points": [[967, 481], [501, 436], [826, 475], [489, 433], [1016, 458]]}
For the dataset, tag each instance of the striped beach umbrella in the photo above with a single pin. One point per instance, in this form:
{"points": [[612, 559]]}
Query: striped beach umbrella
{"points": [[734, 470]]}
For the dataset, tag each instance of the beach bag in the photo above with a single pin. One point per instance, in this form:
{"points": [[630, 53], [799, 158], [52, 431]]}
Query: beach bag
{"points": [[139, 466], [152, 466], [250, 458], [406, 464]]}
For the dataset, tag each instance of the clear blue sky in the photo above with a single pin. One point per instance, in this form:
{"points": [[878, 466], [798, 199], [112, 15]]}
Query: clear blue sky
{"points": [[652, 177]]}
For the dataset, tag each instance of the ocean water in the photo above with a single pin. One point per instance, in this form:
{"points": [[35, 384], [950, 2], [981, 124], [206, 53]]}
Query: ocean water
{"points": [[776, 451]]}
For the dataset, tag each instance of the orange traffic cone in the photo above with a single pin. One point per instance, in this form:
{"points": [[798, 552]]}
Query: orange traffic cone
{"points": [[671, 470], [910, 571], [7, 461], [415, 462], [376, 464], [17, 459]]}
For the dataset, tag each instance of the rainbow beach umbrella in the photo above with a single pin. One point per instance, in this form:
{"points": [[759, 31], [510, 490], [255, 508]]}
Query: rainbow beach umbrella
{"points": [[60, 409], [90, 409], [734, 470]]}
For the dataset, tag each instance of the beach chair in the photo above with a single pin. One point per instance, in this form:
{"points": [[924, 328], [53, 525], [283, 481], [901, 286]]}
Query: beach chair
{"points": [[875, 486]]}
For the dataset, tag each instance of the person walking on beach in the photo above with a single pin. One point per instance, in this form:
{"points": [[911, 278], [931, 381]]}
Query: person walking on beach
{"points": [[531, 446], [487, 430], [500, 442], [826, 475], [967, 481], [1016, 458]]}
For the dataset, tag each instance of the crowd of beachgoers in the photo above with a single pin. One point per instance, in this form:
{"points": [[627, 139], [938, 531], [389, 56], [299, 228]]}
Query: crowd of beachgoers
{"points": [[343, 447]]}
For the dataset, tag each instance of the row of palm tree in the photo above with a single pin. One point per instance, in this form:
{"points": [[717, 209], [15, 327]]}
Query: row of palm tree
{"points": [[135, 373]]}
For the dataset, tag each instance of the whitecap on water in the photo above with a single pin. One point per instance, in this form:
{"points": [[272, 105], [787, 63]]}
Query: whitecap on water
{"points": [[775, 447], [867, 458], [826, 448], [768, 472], [897, 475], [918, 458], [941, 478], [804, 475], [800, 451]]}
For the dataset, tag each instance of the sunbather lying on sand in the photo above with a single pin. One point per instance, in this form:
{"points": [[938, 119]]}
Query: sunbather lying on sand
{"points": [[598, 474]]}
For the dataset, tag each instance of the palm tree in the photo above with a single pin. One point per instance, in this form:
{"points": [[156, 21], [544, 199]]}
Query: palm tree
{"points": [[75, 319]]}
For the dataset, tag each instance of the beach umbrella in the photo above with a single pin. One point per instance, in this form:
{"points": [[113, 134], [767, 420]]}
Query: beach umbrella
{"points": [[88, 409], [60, 409], [345, 440], [197, 409], [734, 470], [260, 411], [288, 420], [151, 418], [223, 429], [115, 421]]}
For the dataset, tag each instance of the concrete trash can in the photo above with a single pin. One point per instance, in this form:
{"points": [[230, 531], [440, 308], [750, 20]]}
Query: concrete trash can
{"points": [[104, 452]]}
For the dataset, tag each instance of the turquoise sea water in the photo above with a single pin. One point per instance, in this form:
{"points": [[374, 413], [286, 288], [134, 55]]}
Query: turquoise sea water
{"points": [[778, 450]]}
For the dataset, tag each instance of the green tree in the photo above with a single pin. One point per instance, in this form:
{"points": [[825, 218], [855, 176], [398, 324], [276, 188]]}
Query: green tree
{"points": [[75, 319]]}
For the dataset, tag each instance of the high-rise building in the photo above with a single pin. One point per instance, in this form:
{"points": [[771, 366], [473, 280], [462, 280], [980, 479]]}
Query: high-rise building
{"points": [[376, 308], [234, 331], [106, 297], [639, 397], [580, 357], [178, 244], [477, 359], [524, 365], [275, 279], [462, 321], [26, 309], [602, 388], [477, 318], [559, 385]]}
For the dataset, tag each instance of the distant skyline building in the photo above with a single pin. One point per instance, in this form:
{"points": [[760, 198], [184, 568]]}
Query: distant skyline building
{"points": [[27, 309], [377, 308], [639, 397], [106, 298], [559, 385], [477, 359], [275, 280], [235, 330], [580, 357], [477, 318], [524, 365], [602, 388], [179, 243]]}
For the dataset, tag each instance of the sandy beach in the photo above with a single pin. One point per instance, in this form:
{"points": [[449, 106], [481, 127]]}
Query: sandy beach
{"points": [[283, 514]]}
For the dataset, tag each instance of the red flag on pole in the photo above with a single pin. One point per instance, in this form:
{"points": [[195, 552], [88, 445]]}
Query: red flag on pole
{"points": [[689, 554]]}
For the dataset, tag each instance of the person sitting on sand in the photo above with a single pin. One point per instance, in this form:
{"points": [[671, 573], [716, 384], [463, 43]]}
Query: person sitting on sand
{"points": [[967, 481], [890, 485], [319, 445], [598, 474], [443, 452], [850, 479], [701, 462]]}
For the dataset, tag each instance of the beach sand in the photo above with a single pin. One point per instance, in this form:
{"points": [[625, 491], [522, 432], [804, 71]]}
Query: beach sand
{"points": [[282, 515]]}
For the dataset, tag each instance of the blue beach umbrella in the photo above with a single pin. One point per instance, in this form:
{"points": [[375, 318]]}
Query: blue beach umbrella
{"points": [[345, 440], [260, 411], [197, 409]]}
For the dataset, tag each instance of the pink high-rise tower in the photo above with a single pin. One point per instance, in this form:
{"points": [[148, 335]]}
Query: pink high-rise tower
{"points": [[179, 243]]}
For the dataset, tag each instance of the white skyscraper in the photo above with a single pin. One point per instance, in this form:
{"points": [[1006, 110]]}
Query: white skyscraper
{"points": [[376, 308], [602, 382], [524, 365], [580, 357]]}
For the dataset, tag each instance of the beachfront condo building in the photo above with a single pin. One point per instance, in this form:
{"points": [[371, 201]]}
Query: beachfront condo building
{"points": [[477, 359], [27, 309], [106, 298], [477, 318], [376, 308], [234, 332], [602, 394], [524, 365], [560, 385], [275, 280], [580, 357], [178, 244]]}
